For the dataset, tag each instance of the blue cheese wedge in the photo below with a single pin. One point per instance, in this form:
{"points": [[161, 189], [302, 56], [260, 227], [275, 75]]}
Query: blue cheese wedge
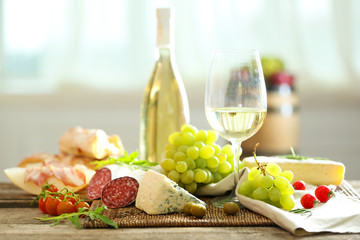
{"points": [[313, 171], [158, 194]]}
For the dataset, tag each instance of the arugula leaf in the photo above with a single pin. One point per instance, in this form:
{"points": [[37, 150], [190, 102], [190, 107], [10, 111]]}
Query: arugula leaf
{"points": [[100, 209], [74, 217], [76, 222], [107, 221], [128, 160]]}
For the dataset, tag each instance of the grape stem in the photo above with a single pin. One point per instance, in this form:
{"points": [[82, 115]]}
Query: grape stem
{"points": [[261, 167]]}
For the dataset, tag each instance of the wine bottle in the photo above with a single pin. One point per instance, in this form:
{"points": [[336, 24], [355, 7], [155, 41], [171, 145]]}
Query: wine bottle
{"points": [[165, 106]]}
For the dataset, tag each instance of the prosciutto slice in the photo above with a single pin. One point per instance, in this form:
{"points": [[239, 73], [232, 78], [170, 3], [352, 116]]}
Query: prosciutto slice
{"points": [[72, 176]]}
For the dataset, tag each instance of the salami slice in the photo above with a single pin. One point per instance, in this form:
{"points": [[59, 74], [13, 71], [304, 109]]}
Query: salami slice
{"points": [[120, 192], [97, 183]]}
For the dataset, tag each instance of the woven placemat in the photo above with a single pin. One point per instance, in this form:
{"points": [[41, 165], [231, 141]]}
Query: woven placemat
{"points": [[131, 217]]}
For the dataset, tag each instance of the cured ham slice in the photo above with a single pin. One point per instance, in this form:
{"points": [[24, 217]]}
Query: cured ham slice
{"points": [[38, 175], [17, 177], [93, 143], [72, 176], [61, 170]]}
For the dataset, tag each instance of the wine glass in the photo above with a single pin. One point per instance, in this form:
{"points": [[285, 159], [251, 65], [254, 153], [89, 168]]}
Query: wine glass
{"points": [[235, 101]]}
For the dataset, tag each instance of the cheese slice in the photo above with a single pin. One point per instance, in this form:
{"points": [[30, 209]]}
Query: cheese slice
{"points": [[158, 194], [317, 172]]}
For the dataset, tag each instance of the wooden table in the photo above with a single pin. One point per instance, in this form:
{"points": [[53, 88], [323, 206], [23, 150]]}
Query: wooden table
{"points": [[18, 223]]}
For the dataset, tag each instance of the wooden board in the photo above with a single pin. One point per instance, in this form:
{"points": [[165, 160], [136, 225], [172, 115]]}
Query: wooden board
{"points": [[14, 197]]}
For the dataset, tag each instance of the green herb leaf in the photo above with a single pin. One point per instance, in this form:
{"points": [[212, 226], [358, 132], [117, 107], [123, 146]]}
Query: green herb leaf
{"points": [[75, 220], [128, 160], [107, 221], [54, 224], [302, 211], [74, 217], [100, 209], [299, 157]]}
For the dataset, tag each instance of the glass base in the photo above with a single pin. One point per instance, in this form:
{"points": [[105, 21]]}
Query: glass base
{"points": [[221, 200]]}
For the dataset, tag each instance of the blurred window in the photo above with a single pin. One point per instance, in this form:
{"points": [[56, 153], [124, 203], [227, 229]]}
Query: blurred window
{"points": [[49, 46]]}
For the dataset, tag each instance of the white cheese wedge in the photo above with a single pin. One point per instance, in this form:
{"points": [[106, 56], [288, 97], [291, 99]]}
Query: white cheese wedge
{"points": [[313, 171], [158, 194]]}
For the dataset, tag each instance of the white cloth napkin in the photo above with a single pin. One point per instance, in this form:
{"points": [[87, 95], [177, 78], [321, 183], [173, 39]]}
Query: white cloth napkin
{"points": [[340, 214], [215, 189]]}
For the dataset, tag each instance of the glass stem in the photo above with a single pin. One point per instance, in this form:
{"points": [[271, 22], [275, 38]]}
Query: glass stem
{"points": [[236, 147]]}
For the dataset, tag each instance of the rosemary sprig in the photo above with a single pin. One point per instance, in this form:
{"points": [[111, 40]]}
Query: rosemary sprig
{"points": [[74, 217], [302, 211]]}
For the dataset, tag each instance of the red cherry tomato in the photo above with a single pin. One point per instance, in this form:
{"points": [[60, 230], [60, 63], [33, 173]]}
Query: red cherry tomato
{"points": [[52, 188], [308, 201], [70, 197], [51, 205], [82, 205], [299, 185], [42, 204], [65, 207], [323, 193]]}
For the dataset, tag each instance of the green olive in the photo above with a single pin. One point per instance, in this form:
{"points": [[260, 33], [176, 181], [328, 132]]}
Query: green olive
{"points": [[187, 208], [231, 208], [198, 210]]}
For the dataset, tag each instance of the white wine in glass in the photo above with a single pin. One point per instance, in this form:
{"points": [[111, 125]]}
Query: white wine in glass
{"points": [[235, 101]]}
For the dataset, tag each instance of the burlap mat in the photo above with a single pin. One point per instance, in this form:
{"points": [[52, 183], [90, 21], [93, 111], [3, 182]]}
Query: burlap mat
{"points": [[131, 217]]}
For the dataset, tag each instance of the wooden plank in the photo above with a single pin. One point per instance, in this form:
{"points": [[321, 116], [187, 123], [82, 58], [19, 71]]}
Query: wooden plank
{"points": [[14, 197], [61, 232], [19, 223]]}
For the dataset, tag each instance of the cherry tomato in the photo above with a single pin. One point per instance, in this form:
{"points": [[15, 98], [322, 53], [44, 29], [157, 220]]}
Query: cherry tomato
{"points": [[51, 205], [65, 207], [323, 193], [82, 205], [299, 185], [52, 188], [72, 199], [308, 201], [42, 205]]}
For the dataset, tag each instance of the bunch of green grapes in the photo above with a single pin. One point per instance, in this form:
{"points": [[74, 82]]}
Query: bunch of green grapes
{"points": [[192, 158], [270, 185]]}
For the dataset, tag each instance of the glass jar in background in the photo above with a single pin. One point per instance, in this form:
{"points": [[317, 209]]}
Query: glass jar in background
{"points": [[280, 130]]}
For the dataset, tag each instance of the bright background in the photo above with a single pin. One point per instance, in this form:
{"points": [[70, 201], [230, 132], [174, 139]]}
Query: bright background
{"points": [[67, 63]]}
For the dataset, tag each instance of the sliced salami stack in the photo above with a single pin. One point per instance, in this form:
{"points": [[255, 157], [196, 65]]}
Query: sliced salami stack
{"points": [[115, 189]]}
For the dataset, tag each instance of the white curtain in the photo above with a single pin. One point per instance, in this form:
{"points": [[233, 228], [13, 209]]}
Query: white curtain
{"points": [[108, 45]]}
